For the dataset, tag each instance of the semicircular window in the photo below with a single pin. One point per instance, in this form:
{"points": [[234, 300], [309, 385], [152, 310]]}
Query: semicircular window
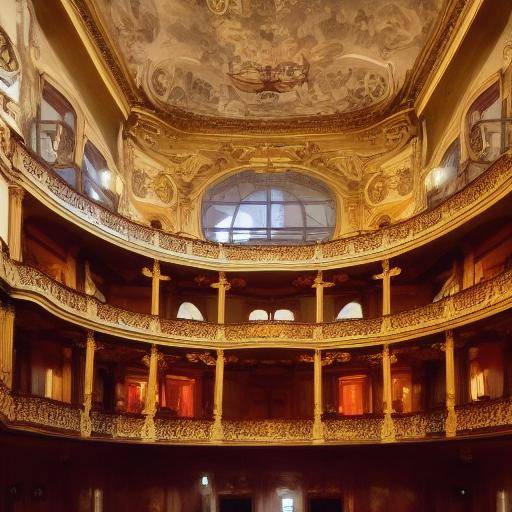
{"points": [[268, 208]]}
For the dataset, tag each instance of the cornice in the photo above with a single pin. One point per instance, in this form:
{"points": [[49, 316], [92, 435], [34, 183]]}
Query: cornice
{"points": [[48, 188], [83, 14], [478, 302], [35, 414]]}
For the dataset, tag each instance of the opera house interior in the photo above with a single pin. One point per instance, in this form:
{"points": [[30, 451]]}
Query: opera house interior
{"points": [[255, 255]]}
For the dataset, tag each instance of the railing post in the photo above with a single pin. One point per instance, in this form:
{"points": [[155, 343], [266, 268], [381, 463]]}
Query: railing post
{"points": [[85, 417], [6, 343], [16, 194], [386, 275], [319, 286], [149, 432], [388, 427], [318, 431], [222, 286], [451, 415], [217, 433]]}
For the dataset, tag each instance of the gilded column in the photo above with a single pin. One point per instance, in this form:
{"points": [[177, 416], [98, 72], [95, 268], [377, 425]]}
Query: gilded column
{"points": [[318, 432], [319, 286], [149, 432], [218, 395], [451, 415], [386, 275], [85, 418], [222, 286], [16, 194], [388, 427], [156, 276], [6, 344]]}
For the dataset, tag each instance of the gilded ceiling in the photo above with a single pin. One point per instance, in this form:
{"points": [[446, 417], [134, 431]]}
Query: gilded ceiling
{"points": [[269, 59]]}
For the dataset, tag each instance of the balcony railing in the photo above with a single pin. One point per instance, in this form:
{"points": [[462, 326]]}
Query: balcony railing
{"points": [[50, 189], [482, 300], [35, 413]]}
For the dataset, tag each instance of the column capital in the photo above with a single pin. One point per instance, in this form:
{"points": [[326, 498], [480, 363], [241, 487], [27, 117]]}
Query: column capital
{"points": [[222, 283], [319, 281], [16, 191]]}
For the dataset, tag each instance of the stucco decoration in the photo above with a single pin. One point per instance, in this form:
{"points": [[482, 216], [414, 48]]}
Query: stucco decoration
{"points": [[264, 59]]}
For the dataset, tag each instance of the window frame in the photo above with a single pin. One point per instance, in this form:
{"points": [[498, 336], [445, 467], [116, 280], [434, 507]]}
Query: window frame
{"points": [[269, 231]]}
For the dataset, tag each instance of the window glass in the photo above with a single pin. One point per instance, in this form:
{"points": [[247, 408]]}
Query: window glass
{"points": [[258, 314], [189, 311], [441, 182], [350, 310], [284, 314], [97, 177], [54, 137], [268, 208]]}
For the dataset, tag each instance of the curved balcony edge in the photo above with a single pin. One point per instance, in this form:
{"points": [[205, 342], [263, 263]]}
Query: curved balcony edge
{"points": [[475, 303], [30, 413], [48, 188]]}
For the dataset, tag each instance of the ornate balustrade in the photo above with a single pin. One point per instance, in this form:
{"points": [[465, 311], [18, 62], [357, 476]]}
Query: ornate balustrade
{"points": [[494, 184], [480, 301], [35, 413], [485, 415]]}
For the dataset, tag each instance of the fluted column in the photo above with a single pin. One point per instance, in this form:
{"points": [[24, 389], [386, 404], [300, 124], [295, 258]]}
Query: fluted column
{"points": [[150, 406], [6, 343], [222, 287], [388, 427], [85, 419], [16, 194], [218, 395], [319, 286], [318, 432], [451, 415]]}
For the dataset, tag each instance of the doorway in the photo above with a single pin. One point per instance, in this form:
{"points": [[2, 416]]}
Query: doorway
{"points": [[235, 504], [317, 504]]}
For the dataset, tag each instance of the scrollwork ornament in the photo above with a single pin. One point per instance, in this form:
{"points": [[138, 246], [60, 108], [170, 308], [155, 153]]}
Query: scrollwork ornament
{"points": [[507, 52], [218, 7]]}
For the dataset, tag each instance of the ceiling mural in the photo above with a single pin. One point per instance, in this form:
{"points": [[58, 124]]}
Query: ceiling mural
{"points": [[268, 59]]}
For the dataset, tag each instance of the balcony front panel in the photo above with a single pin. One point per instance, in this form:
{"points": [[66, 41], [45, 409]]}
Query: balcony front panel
{"points": [[479, 301], [494, 184]]}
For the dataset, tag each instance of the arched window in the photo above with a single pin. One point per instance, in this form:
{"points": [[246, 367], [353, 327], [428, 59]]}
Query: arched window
{"points": [[350, 310], [258, 314], [485, 126], [268, 208], [97, 177], [284, 314], [441, 182], [189, 311], [54, 133]]}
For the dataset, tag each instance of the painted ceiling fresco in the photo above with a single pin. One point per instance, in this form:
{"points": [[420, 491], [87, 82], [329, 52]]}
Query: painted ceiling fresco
{"points": [[265, 59]]}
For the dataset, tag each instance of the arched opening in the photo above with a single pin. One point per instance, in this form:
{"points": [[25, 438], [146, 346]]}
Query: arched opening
{"points": [[284, 314], [188, 311], [258, 314], [350, 310], [268, 208]]}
